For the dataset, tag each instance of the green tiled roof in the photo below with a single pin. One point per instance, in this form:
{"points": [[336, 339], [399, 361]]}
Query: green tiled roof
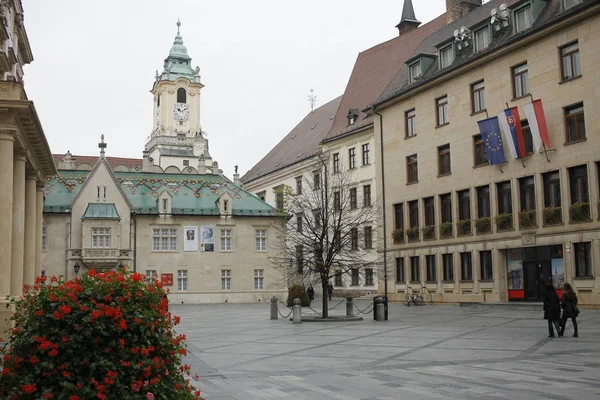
{"points": [[190, 194], [101, 211]]}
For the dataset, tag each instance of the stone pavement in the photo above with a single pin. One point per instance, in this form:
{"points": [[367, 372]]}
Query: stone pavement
{"points": [[427, 352]]}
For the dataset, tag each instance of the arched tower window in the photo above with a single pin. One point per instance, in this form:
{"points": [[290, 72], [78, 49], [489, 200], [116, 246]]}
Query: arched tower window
{"points": [[158, 101], [181, 95]]}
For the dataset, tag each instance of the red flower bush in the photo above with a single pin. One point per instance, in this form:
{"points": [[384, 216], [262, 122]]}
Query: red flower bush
{"points": [[105, 336]]}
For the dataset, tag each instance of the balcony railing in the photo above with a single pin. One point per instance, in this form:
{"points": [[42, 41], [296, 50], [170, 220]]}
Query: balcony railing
{"points": [[483, 225], [552, 216], [527, 219], [579, 212], [100, 254], [504, 222], [464, 227], [446, 230], [429, 232]]}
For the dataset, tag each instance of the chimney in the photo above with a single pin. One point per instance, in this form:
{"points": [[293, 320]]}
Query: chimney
{"points": [[409, 21], [146, 162], [457, 8]]}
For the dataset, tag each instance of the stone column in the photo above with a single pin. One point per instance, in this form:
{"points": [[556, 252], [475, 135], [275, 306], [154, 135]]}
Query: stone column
{"points": [[18, 226], [30, 230], [39, 221], [6, 209]]}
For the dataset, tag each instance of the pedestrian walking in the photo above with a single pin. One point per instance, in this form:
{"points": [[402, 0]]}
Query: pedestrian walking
{"points": [[552, 310], [330, 290], [570, 310], [310, 292]]}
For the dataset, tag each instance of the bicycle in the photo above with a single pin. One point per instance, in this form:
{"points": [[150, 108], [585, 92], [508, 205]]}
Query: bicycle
{"points": [[413, 296]]}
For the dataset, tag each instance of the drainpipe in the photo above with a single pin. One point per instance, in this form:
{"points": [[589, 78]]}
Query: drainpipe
{"points": [[133, 215], [385, 274]]}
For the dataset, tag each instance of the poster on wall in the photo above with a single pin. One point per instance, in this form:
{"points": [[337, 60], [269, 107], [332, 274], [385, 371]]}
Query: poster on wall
{"points": [[190, 238], [515, 275], [207, 238], [166, 279], [558, 272]]}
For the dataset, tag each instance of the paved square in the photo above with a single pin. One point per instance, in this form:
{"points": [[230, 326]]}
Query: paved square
{"points": [[427, 352]]}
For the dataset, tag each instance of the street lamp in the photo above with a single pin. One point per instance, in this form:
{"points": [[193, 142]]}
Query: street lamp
{"points": [[76, 268], [121, 266]]}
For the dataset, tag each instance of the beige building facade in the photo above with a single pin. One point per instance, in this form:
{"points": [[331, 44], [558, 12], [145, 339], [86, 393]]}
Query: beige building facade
{"points": [[468, 231], [25, 161]]}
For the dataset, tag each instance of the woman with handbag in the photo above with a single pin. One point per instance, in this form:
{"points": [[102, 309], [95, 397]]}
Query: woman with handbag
{"points": [[552, 310], [570, 310]]}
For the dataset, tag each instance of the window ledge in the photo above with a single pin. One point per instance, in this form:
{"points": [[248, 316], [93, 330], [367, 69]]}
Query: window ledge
{"points": [[481, 165], [575, 142], [466, 281], [486, 280], [580, 222], [443, 175], [569, 79], [527, 228], [412, 183], [366, 165], [442, 125], [584, 278], [520, 97], [479, 112], [430, 282], [452, 281], [165, 251], [410, 137], [415, 282], [225, 251], [553, 225]]}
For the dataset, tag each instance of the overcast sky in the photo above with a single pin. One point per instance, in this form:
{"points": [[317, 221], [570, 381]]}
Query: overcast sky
{"points": [[94, 64]]}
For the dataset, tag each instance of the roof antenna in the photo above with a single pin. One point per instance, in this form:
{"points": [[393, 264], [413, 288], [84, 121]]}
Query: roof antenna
{"points": [[312, 99]]}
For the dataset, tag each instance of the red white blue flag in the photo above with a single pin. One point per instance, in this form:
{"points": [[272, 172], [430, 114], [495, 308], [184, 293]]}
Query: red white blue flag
{"points": [[537, 124], [510, 122]]}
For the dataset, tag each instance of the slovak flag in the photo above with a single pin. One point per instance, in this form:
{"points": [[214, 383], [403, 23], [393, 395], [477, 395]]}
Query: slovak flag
{"points": [[510, 122], [537, 124]]}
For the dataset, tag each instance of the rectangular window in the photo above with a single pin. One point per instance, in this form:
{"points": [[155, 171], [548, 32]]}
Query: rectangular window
{"points": [[300, 259], [412, 170], [485, 264], [336, 163], [552, 196], [578, 182], [354, 239], [429, 210], [368, 237], [446, 56], [351, 158], [479, 154], [446, 207], [527, 193], [225, 239], [279, 204], [583, 260], [225, 279], [504, 198], [44, 238], [527, 137], [317, 217], [261, 239], [415, 72], [368, 276], [365, 154], [186, 163], [444, 160], [353, 199], [411, 123], [442, 111], [355, 277], [478, 97], [483, 202], [523, 18], [259, 279], [482, 38], [337, 201], [151, 276], [464, 205], [413, 213], [338, 278], [400, 276], [299, 222], [466, 267], [399, 216], [520, 75], [431, 270], [415, 271], [298, 185], [448, 262], [182, 280], [164, 239], [574, 123], [367, 196], [316, 180], [570, 62], [101, 237]]}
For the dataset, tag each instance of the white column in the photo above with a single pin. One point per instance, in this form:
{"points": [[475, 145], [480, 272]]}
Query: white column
{"points": [[30, 230], [39, 220], [6, 204], [18, 226]]}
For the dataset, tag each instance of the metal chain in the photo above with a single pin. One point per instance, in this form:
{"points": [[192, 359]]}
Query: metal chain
{"points": [[284, 316], [334, 307], [315, 311], [370, 306]]}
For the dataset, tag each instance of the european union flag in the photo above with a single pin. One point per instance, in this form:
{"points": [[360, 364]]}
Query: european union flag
{"points": [[490, 134]]}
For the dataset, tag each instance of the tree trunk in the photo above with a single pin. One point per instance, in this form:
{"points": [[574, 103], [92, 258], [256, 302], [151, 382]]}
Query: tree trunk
{"points": [[325, 284]]}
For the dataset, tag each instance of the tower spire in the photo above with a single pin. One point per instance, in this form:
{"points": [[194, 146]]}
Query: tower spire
{"points": [[409, 21], [178, 25]]}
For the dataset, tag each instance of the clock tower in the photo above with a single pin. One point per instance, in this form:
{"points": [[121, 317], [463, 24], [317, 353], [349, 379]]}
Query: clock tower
{"points": [[177, 138]]}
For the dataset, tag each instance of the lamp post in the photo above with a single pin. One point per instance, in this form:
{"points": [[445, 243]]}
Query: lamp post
{"points": [[121, 266], [76, 268]]}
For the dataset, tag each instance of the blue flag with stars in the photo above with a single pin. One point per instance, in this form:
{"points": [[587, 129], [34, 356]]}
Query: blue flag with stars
{"points": [[491, 136]]}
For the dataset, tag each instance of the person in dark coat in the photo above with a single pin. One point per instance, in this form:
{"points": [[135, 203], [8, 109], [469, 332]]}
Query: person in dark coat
{"points": [[570, 310], [310, 292], [330, 290], [552, 310]]}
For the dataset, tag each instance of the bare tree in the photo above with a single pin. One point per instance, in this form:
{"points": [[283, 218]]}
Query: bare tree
{"points": [[328, 232]]}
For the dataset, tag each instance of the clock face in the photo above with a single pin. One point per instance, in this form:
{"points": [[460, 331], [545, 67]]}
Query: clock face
{"points": [[181, 112]]}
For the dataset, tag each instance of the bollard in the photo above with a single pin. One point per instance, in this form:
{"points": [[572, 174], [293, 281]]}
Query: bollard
{"points": [[349, 305], [379, 309], [274, 307], [297, 316]]}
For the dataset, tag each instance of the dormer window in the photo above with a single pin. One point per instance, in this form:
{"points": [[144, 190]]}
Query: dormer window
{"points": [[414, 72], [165, 205], [352, 114], [446, 56], [482, 39], [571, 3], [523, 18], [181, 95], [225, 206]]}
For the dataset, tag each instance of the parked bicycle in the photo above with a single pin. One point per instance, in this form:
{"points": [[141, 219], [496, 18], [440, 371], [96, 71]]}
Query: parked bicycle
{"points": [[417, 297]]}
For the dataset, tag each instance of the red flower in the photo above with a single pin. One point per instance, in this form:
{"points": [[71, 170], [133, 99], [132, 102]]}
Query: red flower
{"points": [[34, 360], [136, 277], [29, 388], [47, 396], [52, 352], [39, 313], [58, 315], [74, 398], [65, 309]]}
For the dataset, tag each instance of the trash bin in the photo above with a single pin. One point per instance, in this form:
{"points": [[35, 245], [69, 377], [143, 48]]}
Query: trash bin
{"points": [[385, 306]]}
